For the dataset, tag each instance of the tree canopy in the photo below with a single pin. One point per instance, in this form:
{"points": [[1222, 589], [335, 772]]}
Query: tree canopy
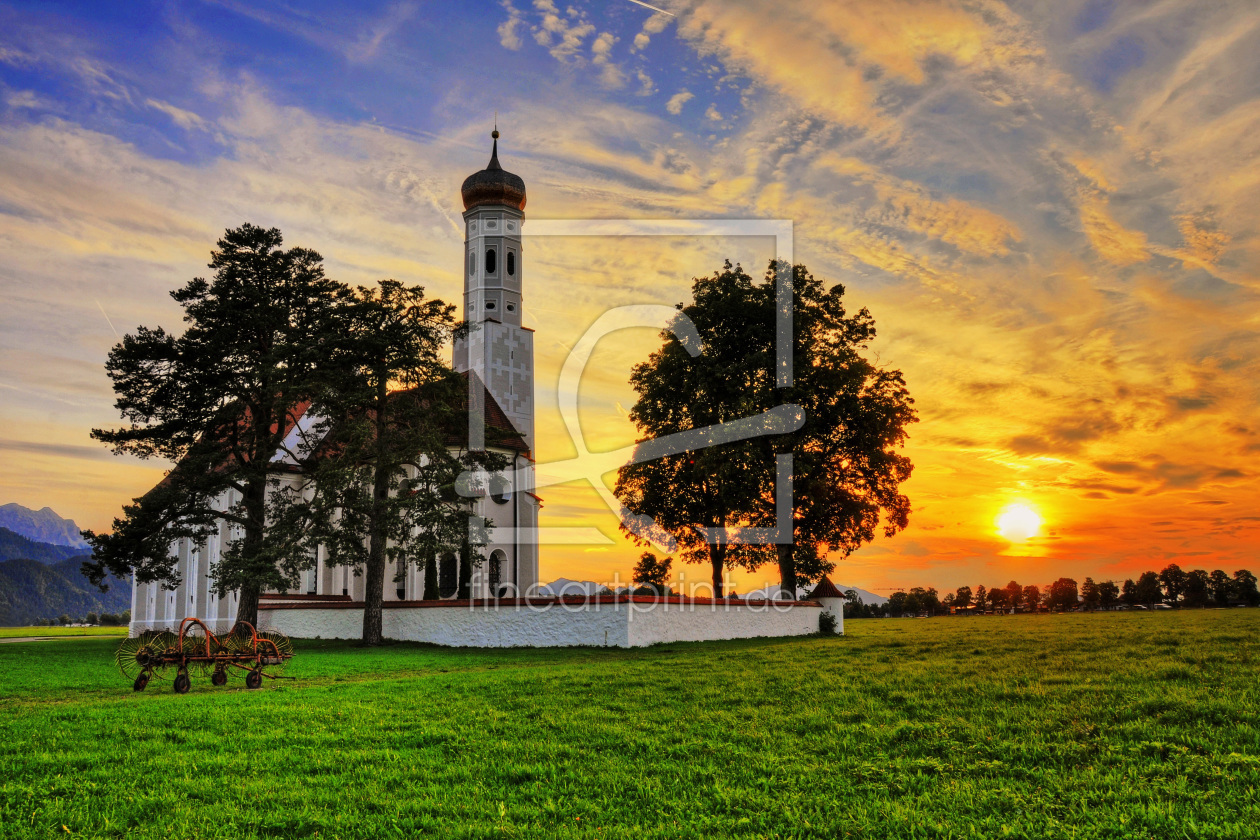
{"points": [[377, 487], [218, 402], [846, 469]]}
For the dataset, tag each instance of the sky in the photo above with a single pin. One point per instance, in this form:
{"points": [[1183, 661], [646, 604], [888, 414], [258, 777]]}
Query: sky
{"points": [[1049, 209]]}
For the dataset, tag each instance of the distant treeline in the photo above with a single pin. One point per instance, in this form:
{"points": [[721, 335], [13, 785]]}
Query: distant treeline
{"points": [[1173, 587], [103, 620]]}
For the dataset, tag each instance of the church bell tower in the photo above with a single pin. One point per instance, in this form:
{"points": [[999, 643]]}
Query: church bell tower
{"points": [[497, 349]]}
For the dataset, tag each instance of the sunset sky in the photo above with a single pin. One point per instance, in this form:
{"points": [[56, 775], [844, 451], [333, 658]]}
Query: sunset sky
{"points": [[1051, 210]]}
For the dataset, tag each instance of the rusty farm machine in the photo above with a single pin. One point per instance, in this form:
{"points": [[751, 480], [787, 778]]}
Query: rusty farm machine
{"points": [[194, 650]]}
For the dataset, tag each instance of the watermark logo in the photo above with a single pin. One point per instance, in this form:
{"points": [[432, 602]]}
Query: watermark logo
{"points": [[590, 466]]}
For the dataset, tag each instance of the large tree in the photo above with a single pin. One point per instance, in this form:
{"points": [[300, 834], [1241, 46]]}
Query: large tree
{"points": [[218, 401], [1198, 588], [1032, 597], [1147, 589], [1222, 587], [998, 599], [1090, 594], [1244, 588], [1108, 594], [380, 484], [1015, 595], [1173, 579], [653, 572], [1063, 595], [699, 495], [846, 467]]}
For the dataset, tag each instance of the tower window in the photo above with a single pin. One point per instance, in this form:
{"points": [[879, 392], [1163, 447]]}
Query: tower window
{"points": [[511, 263], [511, 307], [489, 304], [490, 261], [472, 262]]}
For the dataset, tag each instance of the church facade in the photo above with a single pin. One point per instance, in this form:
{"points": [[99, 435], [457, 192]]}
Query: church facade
{"points": [[504, 609], [497, 361]]}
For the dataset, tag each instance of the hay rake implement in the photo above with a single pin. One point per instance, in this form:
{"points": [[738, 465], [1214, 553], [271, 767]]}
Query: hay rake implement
{"points": [[195, 650]]}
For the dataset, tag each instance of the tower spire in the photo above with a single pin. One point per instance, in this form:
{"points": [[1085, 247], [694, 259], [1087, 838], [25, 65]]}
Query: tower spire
{"points": [[494, 149]]}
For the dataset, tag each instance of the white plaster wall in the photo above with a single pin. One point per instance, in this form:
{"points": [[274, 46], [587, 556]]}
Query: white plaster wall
{"points": [[313, 624], [508, 626], [556, 625], [835, 606], [701, 622]]}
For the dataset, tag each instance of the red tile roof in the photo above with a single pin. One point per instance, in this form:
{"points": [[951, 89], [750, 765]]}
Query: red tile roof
{"points": [[825, 589], [500, 431]]}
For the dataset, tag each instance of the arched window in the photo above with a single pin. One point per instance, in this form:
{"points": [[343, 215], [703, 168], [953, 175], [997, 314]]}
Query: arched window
{"points": [[448, 576], [511, 263], [500, 490], [490, 261], [496, 572]]}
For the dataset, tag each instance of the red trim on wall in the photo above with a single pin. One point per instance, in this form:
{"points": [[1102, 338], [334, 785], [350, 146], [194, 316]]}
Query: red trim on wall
{"points": [[275, 596]]}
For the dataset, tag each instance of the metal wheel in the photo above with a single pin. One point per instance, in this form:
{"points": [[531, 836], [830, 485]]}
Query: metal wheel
{"points": [[278, 658], [137, 654], [253, 679], [182, 683], [141, 681], [195, 645], [157, 653], [240, 640]]}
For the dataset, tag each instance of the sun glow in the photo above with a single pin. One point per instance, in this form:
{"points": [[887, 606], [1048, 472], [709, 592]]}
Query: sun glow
{"points": [[1018, 523]]}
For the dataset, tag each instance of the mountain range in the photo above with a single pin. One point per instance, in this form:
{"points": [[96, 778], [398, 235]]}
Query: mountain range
{"points": [[43, 525], [31, 591], [14, 546], [41, 579]]}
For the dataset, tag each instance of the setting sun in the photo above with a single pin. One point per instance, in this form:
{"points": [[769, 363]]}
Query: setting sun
{"points": [[1018, 523]]}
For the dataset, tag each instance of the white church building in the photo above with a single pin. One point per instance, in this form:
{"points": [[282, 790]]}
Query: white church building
{"points": [[497, 360]]}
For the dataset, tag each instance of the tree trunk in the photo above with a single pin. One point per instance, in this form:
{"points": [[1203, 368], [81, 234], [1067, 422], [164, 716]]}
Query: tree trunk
{"points": [[374, 581], [247, 609], [787, 570], [255, 503], [717, 559], [465, 571]]}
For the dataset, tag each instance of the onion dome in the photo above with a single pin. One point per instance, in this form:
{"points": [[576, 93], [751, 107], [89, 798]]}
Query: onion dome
{"points": [[494, 184]]}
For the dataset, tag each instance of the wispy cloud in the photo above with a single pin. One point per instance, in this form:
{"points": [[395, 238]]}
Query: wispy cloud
{"points": [[370, 39]]}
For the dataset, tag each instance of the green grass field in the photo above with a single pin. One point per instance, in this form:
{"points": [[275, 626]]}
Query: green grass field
{"points": [[18, 632], [1119, 725]]}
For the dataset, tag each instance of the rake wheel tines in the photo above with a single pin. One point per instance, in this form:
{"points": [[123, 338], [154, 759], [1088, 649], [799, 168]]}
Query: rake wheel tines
{"points": [[194, 652], [277, 658], [129, 654]]}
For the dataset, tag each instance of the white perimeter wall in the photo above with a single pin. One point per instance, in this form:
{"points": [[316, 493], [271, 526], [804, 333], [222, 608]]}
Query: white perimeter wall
{"points": [[553, 625]]}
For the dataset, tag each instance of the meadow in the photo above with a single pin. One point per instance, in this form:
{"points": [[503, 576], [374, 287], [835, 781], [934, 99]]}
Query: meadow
{"points": [[1069, 726], [21, 632]]}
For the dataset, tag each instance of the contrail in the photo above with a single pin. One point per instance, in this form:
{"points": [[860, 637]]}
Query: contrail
{"points": [[653, 8], [111, 323]]}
